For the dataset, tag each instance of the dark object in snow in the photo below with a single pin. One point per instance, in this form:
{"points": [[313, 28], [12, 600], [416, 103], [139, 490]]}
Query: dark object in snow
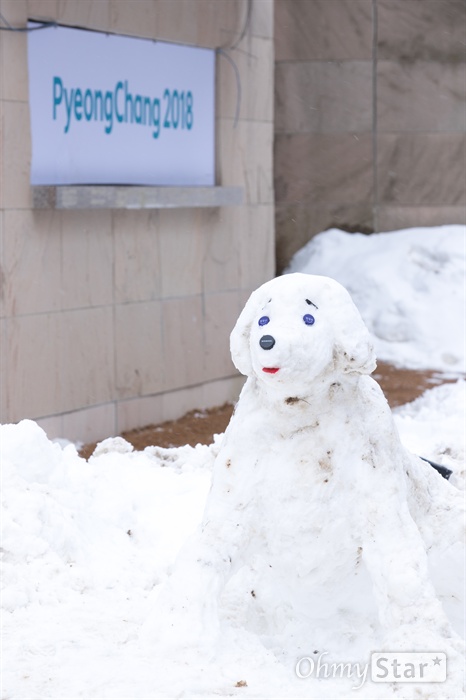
{"points": [[446, 473]]}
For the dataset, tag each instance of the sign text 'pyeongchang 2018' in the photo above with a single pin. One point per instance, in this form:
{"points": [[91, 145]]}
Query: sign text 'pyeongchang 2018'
{"points": [[173, 111], [109, 109]]}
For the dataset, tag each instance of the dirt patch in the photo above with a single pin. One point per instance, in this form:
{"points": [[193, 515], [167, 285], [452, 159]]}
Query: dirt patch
{"points": [[399, 385], [197, 426]]}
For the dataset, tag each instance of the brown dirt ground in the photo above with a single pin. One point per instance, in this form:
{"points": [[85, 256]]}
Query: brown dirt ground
{"points": [[199, 426]]}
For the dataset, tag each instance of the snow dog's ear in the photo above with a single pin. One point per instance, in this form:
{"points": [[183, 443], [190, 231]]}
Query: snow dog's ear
{"points": [[239, 338], [354, 348]]}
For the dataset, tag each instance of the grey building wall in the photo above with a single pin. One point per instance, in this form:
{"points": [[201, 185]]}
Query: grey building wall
{"points": [[113, 318], [370, 116]]}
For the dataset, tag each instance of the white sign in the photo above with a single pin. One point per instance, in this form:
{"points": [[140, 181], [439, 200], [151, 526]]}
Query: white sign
{"points": [[109, 109]]}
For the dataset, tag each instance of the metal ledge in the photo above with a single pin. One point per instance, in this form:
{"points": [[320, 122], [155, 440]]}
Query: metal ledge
{"points": [[133, 197]]}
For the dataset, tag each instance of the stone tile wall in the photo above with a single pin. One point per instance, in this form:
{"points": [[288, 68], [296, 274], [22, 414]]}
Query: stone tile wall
{"points": [[116, 319], [370, 116], [421, 113]]}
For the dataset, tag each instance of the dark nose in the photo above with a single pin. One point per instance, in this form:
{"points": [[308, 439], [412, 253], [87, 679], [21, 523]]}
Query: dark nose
{"points": [[267, 342]]}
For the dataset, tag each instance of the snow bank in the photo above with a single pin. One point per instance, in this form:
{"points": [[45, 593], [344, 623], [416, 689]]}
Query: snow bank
{"points": [[433, 426], [83, 545], [408, 285], [71, 524]]}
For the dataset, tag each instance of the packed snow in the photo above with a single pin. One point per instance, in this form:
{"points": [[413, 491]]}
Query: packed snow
{"points": [[88, 546], [408, 285]]}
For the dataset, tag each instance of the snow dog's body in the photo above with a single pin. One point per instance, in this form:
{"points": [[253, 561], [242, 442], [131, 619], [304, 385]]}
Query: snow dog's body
{"points": [[313, 494]]}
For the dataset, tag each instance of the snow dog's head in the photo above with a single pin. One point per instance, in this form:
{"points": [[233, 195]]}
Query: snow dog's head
{"points": [[298, 327]]}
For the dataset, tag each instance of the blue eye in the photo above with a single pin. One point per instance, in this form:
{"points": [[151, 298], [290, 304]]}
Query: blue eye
{"points": [[263, 321], [308, 319]]}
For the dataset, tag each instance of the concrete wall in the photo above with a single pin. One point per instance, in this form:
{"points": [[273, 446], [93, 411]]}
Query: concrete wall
{"points": [[370, 116], [114, 319]]}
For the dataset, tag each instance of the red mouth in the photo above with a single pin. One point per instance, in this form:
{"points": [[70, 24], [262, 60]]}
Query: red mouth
{"points": [[270, 370]]}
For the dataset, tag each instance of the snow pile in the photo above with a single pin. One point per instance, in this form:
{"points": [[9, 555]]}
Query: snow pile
{"points": [[83, 545], [408, 285], [433, 426], [101, 519]]}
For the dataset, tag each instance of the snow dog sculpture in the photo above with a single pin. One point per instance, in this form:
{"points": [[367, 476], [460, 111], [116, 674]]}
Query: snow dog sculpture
{"points": [[319, 524]]}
